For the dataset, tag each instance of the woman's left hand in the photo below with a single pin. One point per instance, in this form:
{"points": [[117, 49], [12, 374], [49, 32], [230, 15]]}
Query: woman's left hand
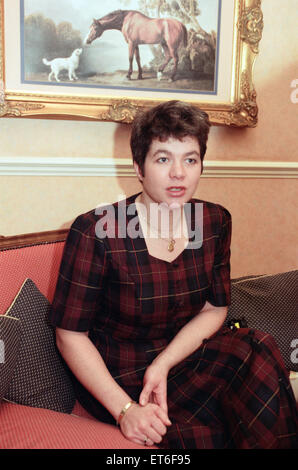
{"points": [[155, 387]]}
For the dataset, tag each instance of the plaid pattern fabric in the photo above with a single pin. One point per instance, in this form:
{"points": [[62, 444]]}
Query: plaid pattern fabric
{"points": [[113, 285], [133, 304], [233, 393]]}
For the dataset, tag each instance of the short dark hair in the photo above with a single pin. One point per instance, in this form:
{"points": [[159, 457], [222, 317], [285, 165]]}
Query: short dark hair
{"points": [[170, 119]]}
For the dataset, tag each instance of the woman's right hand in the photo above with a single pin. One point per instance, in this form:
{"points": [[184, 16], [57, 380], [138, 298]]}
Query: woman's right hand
{"points": [[145, 425]]}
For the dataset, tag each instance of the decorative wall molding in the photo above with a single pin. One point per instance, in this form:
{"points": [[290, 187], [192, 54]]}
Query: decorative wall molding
{"points": [[69, 166], [249, 169]]}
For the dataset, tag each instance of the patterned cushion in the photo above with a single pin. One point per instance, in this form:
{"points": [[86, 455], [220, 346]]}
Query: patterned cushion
{"points": [[10, 336], [40, 378], [269, 303]]}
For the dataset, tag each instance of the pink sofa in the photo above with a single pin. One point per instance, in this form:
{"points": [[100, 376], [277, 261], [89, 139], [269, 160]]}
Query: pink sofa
{"points": [[37, 257]]}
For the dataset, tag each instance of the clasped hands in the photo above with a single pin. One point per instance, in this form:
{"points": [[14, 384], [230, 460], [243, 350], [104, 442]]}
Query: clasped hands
{"points": [[146, 422]]}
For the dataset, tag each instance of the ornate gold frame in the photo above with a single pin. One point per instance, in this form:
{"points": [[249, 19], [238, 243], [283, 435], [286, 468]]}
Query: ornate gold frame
{"points": [[240, 111]]}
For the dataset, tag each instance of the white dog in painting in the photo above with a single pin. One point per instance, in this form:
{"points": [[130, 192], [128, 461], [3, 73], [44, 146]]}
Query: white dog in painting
{"points": [[69, 63]]}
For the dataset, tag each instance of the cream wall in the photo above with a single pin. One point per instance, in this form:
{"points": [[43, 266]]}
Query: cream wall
{"points": [[264, 210]]}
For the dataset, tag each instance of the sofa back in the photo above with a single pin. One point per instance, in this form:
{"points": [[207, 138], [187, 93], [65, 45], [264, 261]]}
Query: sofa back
{"points": [[36, 256]]}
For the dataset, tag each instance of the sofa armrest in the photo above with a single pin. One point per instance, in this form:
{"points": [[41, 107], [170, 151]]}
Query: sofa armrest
{"points": [[24, 427]]}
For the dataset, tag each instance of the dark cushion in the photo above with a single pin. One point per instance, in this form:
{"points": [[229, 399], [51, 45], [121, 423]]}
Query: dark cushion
{"points": [[41, 378], [269, 303], [10, 337]]}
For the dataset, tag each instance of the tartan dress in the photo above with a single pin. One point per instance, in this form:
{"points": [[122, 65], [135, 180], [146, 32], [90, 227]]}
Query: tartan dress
{"points": [[234, 391]]}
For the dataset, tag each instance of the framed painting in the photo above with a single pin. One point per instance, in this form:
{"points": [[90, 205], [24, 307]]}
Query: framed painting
{"points": [[84, 59]]}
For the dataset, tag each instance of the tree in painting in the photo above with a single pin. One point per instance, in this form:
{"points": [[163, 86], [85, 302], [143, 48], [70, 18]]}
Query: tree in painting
{"points": [[42, 38], [199, 55]]}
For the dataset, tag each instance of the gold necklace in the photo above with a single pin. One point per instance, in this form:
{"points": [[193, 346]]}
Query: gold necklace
{"points": [[171, 241], [171, 245]]}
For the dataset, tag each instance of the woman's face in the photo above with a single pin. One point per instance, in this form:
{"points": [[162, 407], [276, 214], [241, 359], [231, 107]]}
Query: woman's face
{"points": [[172, 171]]}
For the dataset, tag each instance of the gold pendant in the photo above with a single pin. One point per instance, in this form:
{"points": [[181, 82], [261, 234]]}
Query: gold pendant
{"points": [[171, 245]]}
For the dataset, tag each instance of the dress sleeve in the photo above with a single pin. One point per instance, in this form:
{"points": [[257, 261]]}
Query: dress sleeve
{"points": [[80, 281], [220, 288]]}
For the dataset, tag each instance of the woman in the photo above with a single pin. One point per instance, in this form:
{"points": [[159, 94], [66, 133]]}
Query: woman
{"points": [[141, 298]]}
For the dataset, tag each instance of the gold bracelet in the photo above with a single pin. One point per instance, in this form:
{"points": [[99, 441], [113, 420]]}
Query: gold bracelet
{"points": [[124, 410]]}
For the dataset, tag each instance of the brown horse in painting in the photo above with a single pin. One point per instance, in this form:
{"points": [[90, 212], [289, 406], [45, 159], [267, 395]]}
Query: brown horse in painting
{"points": [[140, 29]]}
